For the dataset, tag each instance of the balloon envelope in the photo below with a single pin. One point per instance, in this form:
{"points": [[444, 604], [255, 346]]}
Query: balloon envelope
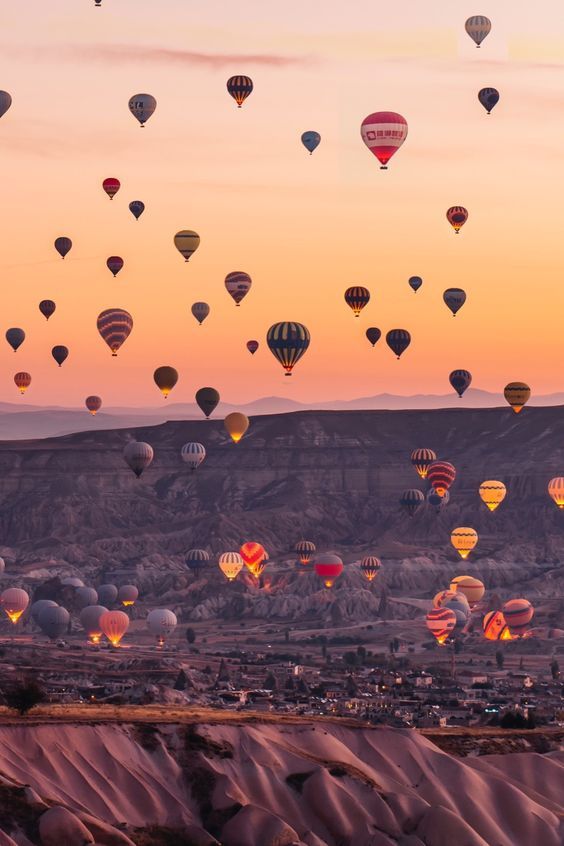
{"points": [[63, 246], [288, 341], [457, 217], [398, 341], [200, 311], [478, 27], [441, 475], [441, 623], [460, 381], [207, 400], [357, 298], [454, 299], [14, 601], [411, 500], [517, 395], [464, 539], [240, 87], [488, 97], [138, 456], [136, 207], [230, 564], [111, 186], [23, 381], [93, 404], [114, 326], [492, 493], [556, 490], [373, 334], [142, 107], [5, 102], [236, 425], [415, 283], [165, 379], [384, 133], [310, 140], [54, 621], [328, 567], [60, 354], [305, 550], [47, 308], [128, 594], [107, 594], [238, 284], [15, 337], [90, 621], [252, 346], [193, 454], [186, 242], [421, 459], [85, 596], [114, 624], [114, 264], [161, 622]]}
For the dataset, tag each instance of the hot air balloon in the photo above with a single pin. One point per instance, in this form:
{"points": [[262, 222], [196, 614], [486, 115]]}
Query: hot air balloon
{"points": [[305, 550], [488, 97], [457, 217], [412, 500], [492, 493], [114, 264], [460, 381], [138, 455], [288, 341], [473, 589], [421, 459], [459, 604], [556, 490], [23, 381], [441, 475], [328, 567], [107, 594], [373, 334], [60, 354], [207, 400], [240, 87], [200, 311], [478, 27], [15, 338], [111, 186], [142, 107], [517, 395], [97, 4], [47, 308], [38, 607], [193, 454], [136, 207], [443, 596], [495, 627], [238, 285], [114, 625], [85, 596], [72, 581], [415, 283], [310, 140], [63, 246], [186, 242], [369, 567], [398, 341], [114, 325], [252, 346], [437, 502], [236, 424], [454, 299], [54, 621], [128, 595], [518, 613], [197, 559], [441, 623], [161, 622], [5, 102], [253, 555], [90, 621], [165, 379], [464, 539], [383, 133], [356, 298], [230, 564], [14, 601], [93, 404]]}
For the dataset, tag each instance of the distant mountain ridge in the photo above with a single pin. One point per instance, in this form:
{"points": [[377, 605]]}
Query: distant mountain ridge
{"points": [[21, 422]]}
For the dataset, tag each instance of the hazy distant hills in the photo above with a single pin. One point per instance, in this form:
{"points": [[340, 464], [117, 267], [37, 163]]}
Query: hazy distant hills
{"points": [[19, 422]]}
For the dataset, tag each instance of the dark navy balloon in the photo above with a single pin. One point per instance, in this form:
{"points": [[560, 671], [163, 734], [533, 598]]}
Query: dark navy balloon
{"points": [[311, 140], [398, 340], [415, 282], [460, 380], [136, 207], [60, 354], [412, 500], [488, 97], [373, 335], [15, 337]]}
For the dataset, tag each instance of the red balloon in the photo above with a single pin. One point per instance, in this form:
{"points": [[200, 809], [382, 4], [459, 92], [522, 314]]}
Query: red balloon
{"points": [[384, 133], [252, 346], [111, 186], [328, 567], [114, 264]]}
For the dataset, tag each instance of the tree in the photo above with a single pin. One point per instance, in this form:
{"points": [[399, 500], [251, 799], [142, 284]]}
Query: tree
{"points": [[499, 659], [350, 659], [270, 682], [521, 663], [555, 669], [287, 635], [190, 635], [23, 696]]}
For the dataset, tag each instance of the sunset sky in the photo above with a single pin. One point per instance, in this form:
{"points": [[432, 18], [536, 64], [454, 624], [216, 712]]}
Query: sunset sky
{"points": [[305, 228]]}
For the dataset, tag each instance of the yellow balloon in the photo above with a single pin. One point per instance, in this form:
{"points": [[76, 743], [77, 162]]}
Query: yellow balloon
{"points": [[186, 242], [492, 493], [473, 589], [464, 539], [556, 490], [236, 425], [517, 395]]}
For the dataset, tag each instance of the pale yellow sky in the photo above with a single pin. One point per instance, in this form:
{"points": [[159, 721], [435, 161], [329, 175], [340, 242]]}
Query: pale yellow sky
{"points": [[304, 227]]}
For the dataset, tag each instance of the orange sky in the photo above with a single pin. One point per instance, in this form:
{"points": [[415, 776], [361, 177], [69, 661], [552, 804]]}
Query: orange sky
{"points": [[304, 227]]}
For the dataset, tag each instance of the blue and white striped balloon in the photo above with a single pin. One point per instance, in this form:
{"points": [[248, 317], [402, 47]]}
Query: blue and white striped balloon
{"points": [[193, 454]]}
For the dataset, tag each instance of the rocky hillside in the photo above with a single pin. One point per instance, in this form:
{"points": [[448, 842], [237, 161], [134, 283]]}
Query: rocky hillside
{"points": [[334, 477], [304, 784]]}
